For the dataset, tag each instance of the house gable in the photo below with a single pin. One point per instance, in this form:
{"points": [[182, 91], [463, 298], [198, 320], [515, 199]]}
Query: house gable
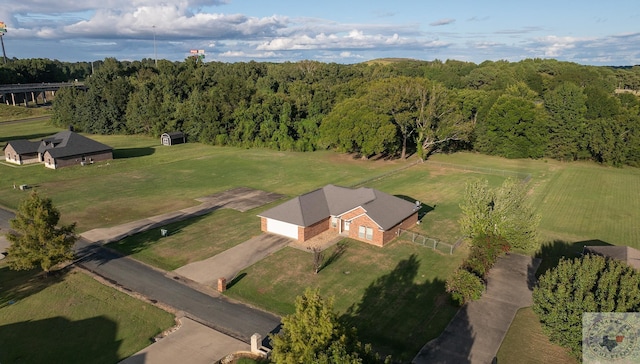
{"points": [[322, 209], [62, 149]]}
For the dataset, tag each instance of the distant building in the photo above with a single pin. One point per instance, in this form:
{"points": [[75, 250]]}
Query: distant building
{"points": [[624, 254], [63, 149], [176, 137]]}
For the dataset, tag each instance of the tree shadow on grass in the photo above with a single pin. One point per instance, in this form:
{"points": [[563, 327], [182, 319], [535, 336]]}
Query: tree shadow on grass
{"points": [[17, 285], [552, 252], [146, 239], [424, 208], [4, 139], [57, 339], [124, 153], [339, 249], [398, 315]]}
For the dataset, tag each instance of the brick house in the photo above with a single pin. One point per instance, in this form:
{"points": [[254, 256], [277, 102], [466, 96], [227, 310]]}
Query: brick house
{"points": [[363, 214], [63, 149]]}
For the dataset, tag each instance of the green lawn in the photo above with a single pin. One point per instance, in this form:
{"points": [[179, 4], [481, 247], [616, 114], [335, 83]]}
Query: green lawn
{"points": [[71, 318], [146, 179], [8, 113], [578, 202], [394, 296], [192, 240], [525, 343]]}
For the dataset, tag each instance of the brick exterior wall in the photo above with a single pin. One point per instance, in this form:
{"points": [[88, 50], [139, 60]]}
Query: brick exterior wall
{"points": [[380, 238], [78, 159], [11, 156], [309, 232], [393, 232], [263, 224]]}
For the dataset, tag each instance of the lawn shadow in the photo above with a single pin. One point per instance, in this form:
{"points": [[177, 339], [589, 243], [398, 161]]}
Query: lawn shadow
{"points": [[61, 340], [143, 240], [398, 315], [236, 279], [552, 252], [338, 251], [22, 137], [124, 153], [424, 208], [17, 285]]}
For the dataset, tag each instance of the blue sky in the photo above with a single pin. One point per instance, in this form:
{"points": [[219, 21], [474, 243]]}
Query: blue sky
{"points": [[585, 32]]}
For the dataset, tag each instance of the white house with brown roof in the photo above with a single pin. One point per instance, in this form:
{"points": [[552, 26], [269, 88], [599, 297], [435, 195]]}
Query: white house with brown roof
{"points": [[63, 149], [363, 214]]}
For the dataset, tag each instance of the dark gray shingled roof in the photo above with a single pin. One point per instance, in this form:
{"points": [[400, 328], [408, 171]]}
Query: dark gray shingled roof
{"points": [[626, 254], [67, 144], [305, 210], [22, 146]]}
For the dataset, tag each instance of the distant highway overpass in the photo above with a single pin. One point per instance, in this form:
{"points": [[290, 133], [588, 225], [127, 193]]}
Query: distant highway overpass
{"points": [[17, 94]]}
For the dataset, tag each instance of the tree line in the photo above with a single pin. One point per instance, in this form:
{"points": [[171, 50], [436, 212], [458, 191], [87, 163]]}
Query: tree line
{"points": [[535, 108]]}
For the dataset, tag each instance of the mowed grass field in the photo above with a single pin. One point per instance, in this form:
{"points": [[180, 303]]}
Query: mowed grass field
{"points": [[72, 318], [146, 179], [578, 202]]}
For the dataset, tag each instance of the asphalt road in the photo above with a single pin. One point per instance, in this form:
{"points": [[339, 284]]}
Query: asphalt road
{"points": [[232, 318]]}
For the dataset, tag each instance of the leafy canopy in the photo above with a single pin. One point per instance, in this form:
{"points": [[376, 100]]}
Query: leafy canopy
{"points": [[37, 239], [501, 212], [313, 334], [589, 284]]}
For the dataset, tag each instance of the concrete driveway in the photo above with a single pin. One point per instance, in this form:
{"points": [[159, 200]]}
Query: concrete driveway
{"points": [[241, 199], [228, 263], [192, 343], [475, 333]]}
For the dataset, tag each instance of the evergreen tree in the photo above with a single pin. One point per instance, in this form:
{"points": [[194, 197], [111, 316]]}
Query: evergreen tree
{"points": [[37, 239]]}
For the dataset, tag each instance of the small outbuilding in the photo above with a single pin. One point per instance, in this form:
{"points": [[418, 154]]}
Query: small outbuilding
{"points": [[177, 137], [624, 254]]}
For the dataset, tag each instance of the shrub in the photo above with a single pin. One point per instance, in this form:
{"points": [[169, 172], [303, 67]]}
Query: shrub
{"points": [[485, 250], [464, 286], [589, 284]]}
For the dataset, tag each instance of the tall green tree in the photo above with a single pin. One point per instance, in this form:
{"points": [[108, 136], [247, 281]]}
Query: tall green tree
{"points": [[38, 240], [514, 128], [502, 212], [566, 105], [589, 284]]}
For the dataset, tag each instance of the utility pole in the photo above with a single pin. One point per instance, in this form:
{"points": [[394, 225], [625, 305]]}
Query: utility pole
{"points": [[155, 51], [3, 30]]}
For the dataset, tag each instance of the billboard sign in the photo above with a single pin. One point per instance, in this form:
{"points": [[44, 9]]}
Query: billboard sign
{"points": [[3, 28]]}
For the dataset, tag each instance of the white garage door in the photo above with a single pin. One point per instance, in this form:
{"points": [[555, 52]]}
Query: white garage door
{"points": [[282, 228]]}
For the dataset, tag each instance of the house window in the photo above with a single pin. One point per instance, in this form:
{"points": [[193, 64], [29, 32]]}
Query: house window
{"points": [[365, 232], [334, 222], [369, 235]]}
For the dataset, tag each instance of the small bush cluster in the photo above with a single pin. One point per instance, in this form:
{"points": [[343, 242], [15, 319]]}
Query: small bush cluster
{"points": [[468, 282]]}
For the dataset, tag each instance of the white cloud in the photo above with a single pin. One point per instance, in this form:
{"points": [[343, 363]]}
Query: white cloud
{"points": [[441, 22]]}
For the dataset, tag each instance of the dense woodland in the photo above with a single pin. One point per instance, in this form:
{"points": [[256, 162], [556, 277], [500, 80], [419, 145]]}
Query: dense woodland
{"points": [[534, 108]]}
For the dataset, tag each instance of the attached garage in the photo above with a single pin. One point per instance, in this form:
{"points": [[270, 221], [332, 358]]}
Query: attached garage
{"points": [[282, 228]]}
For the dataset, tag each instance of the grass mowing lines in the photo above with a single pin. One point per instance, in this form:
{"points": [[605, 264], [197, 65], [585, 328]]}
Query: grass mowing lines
{"points": [[393, 295], [591, 202], [73, 319]]}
